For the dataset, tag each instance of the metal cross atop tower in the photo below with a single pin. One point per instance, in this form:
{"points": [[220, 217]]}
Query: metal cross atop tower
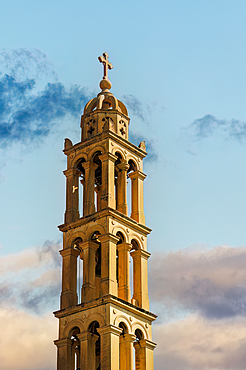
{"points": [[106, 65]]}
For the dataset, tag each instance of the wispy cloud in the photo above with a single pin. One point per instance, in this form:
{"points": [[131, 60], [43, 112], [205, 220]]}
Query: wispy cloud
{"points": [[195, 342], [209, 125], [31, 279], [135, 106], [27, 113], [150, 146], [210, 282], [30, 336]]}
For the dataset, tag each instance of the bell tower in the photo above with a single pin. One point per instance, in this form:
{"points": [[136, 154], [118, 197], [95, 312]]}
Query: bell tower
{"points": [[104, 318]]}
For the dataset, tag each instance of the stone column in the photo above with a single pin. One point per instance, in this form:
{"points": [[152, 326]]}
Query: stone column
{"points": [[87, 350], [69, 295], [124, 290], [144, 354], [89, 264], [109, 347], [64, 354], [108, 283], [89, 190], [108, 197], [81, 204], [98, 190], [72, 195], [122, 189], [140, 277], [137, 214], [126, 351]]}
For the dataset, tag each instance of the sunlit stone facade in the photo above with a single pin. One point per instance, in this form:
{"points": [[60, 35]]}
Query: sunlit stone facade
{"points": [[104, 318]]}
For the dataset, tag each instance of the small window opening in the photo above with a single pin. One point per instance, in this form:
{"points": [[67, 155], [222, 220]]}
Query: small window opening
{"points": [[95, 238]]}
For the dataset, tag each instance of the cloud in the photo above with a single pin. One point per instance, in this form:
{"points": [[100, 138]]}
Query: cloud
{"points": [[209, 125], [195, 343], [210, 282], [135, 106], [150, 146], [31, 279], [27, 113], [26, 340]]}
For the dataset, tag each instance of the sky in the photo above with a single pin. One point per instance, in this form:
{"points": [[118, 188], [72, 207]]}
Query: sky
{"points": [[179, 67]]}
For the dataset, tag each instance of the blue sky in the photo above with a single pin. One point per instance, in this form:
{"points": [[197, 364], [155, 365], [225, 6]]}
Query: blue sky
{"points": [[180, 69]]}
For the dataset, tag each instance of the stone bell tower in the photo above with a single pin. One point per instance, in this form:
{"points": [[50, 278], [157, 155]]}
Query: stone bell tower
{"points": [[104, 318]]}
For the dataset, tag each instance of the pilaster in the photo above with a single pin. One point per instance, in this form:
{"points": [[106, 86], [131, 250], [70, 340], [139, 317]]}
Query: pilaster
{"points": [[107, 195], [137, 214], [72, 195], [108, 283], [124, 290], [126, 351], [140, 281], [121, 188], [109, 347], [144, 354], [89, 190], [89, 264], [69, 295]]}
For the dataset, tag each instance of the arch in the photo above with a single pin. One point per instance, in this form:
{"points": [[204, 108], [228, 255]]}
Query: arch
{"points": [[123, 326], [90, 105], [94, 317], [75, 234], [123, 108], [77, 158], [92, 230], [139, 326], [120, 318], [98, 148], [77, 323], [120, 229], [133, 164], [135, 244], [119, 150], [76, 243], [74, 331], [121, 236]]}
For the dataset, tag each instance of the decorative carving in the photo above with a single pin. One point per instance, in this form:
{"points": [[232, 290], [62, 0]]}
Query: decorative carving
{"points": [[142, 146], [67, 144], [122, 131], [90, 131]]}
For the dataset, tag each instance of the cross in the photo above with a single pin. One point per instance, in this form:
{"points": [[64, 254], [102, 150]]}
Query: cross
{"points": [[106, 65], [90, 131], [122, 131]]}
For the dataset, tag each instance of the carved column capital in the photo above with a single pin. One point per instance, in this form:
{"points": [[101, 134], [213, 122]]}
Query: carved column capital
{"points": [[108, 156], [137, 174]]}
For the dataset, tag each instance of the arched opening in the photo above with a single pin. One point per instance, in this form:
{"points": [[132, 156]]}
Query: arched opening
{"points": [[139, 353], [77, 245], [75, 349], [81, 169], [133, 270], [116, 180], [139, 334], [98, 260], [98, 180], [94, 346], [121, 240], [125, 348], [130, 196]]}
